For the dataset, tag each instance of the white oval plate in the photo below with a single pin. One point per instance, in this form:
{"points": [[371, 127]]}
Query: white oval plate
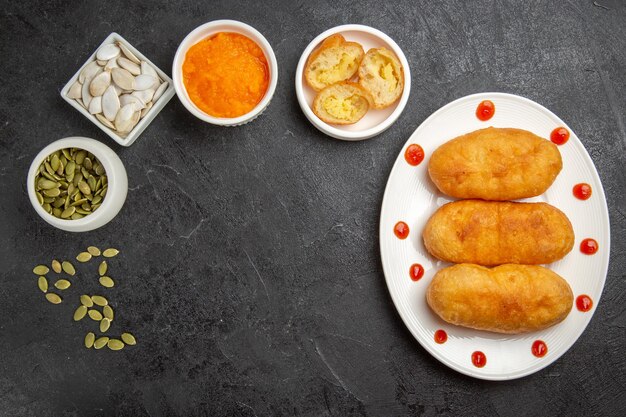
{"points": [[411, 197], [375, 121]]}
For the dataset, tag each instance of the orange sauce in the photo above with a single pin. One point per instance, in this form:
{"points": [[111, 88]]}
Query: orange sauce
{"points": [[226, 75]]}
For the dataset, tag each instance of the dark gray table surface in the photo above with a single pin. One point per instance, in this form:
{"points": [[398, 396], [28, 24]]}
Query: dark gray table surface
{"points": [[249, 267]]}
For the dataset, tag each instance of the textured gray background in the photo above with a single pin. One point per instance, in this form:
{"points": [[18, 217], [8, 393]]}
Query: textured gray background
{"points": [[250, 269]]}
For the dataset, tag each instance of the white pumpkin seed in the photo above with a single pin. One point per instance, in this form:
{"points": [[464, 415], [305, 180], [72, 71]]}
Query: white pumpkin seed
{"points": [[85, 95], [148, 70], [101, 62], [146, 110], [145, 96], [104, 121], [111, 63], [127, 52], [95, 106], [130, 98], [129, 65], [100, 83], [123, 78], [110, 104], [107, 52], [143, 82], [123, 119], [75, 91], [159, 91], [89, 72]]}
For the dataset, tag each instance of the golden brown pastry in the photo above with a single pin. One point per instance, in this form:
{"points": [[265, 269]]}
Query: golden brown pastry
{"points": [[495, 164], [382, 75], [505, 299], [333, 61], [341, 103], [498, 232]]}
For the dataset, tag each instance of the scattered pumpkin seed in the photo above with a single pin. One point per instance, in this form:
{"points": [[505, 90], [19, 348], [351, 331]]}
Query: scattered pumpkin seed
{"points": [[95, 315], [107, 311], [86, 300], [115, 344], [107, 282], [43, 284], [53, 298], [101, 342], [41, 270], [109, 253], [129, 339], [94, 251], [89, 339], [62, 284], [99, 300], [83, 257], [102, 268], [56, 266], [68, 268], [80, 312], [104, 325]]}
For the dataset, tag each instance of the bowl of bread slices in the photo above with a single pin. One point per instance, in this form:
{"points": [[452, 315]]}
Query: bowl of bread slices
{"points": [[353, 82]]}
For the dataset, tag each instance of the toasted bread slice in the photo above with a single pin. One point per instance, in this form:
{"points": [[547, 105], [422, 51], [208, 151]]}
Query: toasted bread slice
{"points": [[342, 103], [382, 75], [335, 60]]}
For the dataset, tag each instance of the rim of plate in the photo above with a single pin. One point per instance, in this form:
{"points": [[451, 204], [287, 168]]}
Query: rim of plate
{"points": [[604, 260]]}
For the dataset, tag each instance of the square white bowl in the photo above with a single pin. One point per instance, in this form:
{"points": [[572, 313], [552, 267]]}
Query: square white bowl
{"points": [[145, 121]]}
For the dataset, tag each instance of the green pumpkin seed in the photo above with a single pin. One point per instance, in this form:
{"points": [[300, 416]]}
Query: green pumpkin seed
{"points": [[53, 192], [99, 169], [54, 162], [77, 216], [101, 342], [84, 188], [47, 207], [40, 197], [107, 312], [66, 153], [68, 212], [102, 268], [62, 284], [95, 315], [94, 251], [58, 202], [104, 325], [42, 283], [109, 253], [53, 298], [91, 181], [80, 312], [129, 339], [87, 163], [115, 344], [70, 168], [46, 184], [68, 268], [80, 157], [56, 212], [49, 169], [86, 300], [83, 257], [41, 270], [107, 282], [89, 339], [56, 266], [99, 300], [96, 199]]}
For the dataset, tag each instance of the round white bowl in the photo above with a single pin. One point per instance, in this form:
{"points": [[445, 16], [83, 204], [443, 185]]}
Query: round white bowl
{"points": [[375, 121], [203, 32], [116, 179]]}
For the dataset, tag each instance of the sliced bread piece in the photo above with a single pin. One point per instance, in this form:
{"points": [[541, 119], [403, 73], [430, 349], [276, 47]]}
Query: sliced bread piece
{"points": [[382, 75], [335, 60], [342, 103]]}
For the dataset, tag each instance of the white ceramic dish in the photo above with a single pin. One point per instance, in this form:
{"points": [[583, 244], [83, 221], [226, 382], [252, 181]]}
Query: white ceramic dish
{"points": [[117, 183], [411, 197], [375, 121], [144, 122], [203, 32]]}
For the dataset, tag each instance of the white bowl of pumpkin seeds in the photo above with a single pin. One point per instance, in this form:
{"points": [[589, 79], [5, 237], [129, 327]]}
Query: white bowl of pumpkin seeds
{"points": [[77, 184]]}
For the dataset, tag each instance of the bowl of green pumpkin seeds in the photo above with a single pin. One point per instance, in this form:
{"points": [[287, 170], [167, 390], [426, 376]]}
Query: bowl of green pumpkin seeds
{"points": [[77, 184]]}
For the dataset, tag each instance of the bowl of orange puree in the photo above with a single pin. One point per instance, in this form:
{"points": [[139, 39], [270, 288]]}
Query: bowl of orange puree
{"points": [[225, 72]]}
